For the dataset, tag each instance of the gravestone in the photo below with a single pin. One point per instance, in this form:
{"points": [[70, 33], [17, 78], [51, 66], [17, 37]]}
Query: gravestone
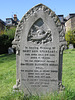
{"points": [[39, 42], [71, 46], [10, 50]]}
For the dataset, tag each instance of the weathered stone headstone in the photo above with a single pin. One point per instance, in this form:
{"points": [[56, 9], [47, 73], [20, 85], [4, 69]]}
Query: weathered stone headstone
{"points": [[71, 46], [39, 42], [10, 50]]}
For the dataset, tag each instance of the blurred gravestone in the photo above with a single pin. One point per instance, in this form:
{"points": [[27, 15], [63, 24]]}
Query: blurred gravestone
{"points": [[10, 50], [71, 46], [39, 42]]}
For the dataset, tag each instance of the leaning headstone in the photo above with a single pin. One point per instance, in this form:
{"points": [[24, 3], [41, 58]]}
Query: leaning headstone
{"points": [[39, 42], [71, 46]]}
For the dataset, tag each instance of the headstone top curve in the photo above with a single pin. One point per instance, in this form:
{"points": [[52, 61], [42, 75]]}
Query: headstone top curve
{"points": [[31, 12]]}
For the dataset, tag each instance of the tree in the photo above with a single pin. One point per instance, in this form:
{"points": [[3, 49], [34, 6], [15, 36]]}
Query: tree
{"points": [[70, 37]]}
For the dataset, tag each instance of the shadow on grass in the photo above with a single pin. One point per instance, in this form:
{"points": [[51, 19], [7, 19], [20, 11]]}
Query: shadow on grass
{"points": [[6, 57]]}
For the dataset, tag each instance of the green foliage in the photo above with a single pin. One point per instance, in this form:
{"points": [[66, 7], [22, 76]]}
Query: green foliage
{"points": [[8, 79], [4, 43], [10, 32], [6, 39], [70, 37]]}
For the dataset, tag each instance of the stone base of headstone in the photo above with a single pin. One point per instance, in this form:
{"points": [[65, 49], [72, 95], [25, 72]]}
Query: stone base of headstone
{"points": [[61, 87], [17, 86]]}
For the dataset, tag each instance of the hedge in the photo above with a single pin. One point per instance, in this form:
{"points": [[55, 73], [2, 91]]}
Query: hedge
{"points": [[6, 40]]}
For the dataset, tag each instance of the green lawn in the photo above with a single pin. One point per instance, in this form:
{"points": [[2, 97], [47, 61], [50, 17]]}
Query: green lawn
{"points": [[68, 76], [7, 73], [8, 79]]}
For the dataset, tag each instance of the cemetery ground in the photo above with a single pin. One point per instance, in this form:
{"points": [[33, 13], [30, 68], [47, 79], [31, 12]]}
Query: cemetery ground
{"points": [[8, 79]]}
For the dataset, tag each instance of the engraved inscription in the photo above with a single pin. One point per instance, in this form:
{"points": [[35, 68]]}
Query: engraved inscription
{"points": [[45, 71]]}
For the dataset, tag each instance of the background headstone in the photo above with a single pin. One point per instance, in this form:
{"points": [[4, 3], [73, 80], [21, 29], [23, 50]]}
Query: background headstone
{"points": [[71, 46], [10, 50], [39, 42]]}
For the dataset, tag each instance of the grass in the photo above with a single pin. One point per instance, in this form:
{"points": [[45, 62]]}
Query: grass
{"points": [[7, 73], [8, 79], [69, 69]]}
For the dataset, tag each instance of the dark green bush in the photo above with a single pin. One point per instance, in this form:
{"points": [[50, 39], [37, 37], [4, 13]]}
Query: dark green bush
{"points": [[4, 43], [6, 40]]}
